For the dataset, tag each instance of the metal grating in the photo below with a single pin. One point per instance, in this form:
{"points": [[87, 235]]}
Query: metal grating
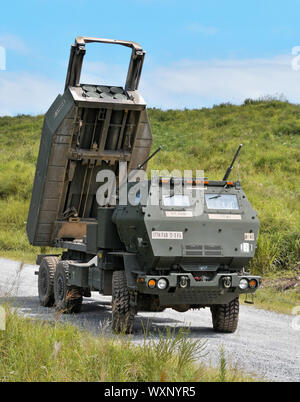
{"points": [[196, 251], [212, 251], [200, 251]]}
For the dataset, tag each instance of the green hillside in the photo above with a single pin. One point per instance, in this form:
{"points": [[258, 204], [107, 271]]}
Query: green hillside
{"points": [[269, 168]]}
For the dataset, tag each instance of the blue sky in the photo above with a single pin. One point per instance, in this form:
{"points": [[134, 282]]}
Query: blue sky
{"points": [[198, 52]]}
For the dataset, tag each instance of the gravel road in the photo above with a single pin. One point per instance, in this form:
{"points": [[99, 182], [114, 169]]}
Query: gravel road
{"points": [[266, 343]]}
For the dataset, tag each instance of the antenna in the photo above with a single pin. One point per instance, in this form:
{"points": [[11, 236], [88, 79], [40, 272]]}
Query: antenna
{"points": [[229, 170]]}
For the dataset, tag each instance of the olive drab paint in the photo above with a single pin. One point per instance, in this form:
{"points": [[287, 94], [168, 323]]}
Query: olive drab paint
{"points": [[87, 129], [175, 253]]}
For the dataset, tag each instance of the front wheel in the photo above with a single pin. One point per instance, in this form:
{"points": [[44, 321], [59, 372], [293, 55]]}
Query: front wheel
{"points": [[225, 317], [122, 311]]}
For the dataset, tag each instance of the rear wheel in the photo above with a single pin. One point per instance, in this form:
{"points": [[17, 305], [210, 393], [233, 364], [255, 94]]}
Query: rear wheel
{"points": [[68, 299], [225, 317], [46, 280], [122, 311]]}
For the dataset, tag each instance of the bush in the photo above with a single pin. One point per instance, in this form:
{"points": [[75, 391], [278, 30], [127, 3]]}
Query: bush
{"points": [[288, 128]]}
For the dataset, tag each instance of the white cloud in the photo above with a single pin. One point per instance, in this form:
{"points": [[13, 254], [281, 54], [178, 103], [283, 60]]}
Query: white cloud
{"points": [[22, 93], [13, 42], [204, 83], [102, 73], [187, 83]]}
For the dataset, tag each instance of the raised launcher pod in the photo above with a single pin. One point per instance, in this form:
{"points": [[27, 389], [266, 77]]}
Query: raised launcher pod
{"points": [[88, 128]]}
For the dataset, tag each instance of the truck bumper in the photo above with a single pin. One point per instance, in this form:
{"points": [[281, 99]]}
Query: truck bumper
{"points": [[222, 289]]}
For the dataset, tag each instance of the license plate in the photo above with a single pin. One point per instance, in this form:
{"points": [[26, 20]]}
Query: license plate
{"points": [[167, 235]]}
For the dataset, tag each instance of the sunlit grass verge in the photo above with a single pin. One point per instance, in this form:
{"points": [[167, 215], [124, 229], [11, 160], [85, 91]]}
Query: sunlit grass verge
{"points": [[279, 301], [38, 351], [276, 301], [280, 291]]}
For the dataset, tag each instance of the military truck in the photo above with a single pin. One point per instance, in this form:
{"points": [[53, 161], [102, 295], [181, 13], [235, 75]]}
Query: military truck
{"points": [[147, 257]]}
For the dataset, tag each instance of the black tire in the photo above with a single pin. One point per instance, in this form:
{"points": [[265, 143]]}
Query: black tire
{"points": [[122, 312], [225, 317], [68, 299], [46, 280]]}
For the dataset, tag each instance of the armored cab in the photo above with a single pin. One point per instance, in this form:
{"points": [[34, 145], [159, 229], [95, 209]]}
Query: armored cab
{"points": [[88, 128]]}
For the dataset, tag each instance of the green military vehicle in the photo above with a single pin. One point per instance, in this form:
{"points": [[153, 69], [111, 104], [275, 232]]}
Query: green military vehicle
{"points": [[148, 256]]}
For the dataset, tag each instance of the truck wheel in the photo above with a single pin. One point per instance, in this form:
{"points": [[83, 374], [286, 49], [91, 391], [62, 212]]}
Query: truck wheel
{"points": [[68, 299], [225, 317], [46, 280], [122, 312]]}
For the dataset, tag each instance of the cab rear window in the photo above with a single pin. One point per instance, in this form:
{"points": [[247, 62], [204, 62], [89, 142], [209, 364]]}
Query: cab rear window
{"points": [[222, 201]]}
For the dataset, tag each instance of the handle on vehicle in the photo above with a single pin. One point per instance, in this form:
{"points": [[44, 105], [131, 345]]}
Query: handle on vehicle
{"points": [[78, 51], [82, 40]]}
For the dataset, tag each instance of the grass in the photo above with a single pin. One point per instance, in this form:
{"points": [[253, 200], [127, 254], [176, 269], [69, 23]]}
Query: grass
{"points": [[269, 168], [19, 144], [280, 292], [40, 351], [279, 301]]}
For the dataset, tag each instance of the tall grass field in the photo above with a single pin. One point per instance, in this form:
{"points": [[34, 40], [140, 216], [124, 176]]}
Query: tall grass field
{"points": [[32, 351], [205, 139]]}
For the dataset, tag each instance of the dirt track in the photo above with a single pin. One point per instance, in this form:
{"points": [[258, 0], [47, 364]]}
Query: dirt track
{"points": [[265, 343]]}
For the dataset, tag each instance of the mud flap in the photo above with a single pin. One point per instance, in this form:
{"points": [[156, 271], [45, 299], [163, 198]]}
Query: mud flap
{"points": [[131, 265]]}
